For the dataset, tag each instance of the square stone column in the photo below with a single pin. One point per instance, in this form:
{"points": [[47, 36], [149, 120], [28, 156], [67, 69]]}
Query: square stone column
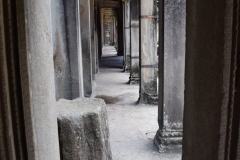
{"points": [[86, 46], [127, 36], [172, 22], [148, 52], [73, 34], [211, 113], [134, 42], [93, 44]]}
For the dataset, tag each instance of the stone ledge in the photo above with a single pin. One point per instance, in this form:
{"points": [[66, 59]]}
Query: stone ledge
{"points": [[83, 129]]}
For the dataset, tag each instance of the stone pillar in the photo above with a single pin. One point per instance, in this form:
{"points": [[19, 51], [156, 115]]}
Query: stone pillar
{"points": [[72, 22], [134, 42], [37, 78], [63, 85], [171, 73], [212, 46], [127, 36], [93, 44], [148, 52], [86, 46], [120, 51]]}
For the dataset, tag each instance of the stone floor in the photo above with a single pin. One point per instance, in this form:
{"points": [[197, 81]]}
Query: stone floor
{"points": [[132, 126]]}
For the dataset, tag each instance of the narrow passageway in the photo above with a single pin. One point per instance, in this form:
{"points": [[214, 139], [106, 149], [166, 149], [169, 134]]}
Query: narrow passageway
{"points": [[132, 126]]}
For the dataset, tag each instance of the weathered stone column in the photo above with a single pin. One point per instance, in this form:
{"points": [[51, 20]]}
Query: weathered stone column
{"points": [[127, 36], [120, 49], [148, 52], [72, 22], [37, 78], [134, 42], [93, 44], [212, 46], [172, 24], [63, 80], [86, 46]]}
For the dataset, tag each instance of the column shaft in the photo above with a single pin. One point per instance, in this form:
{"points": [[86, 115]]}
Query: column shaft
{"points": [[172, 22], [120, 31], [127, 35], [212, 50], [72, 23], [86, 46], [134, 42], [148, 52], [93, 45]]}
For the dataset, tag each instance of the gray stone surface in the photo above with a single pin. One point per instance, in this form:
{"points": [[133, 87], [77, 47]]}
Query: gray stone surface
{"points": [[71, 10], [127, 36], [86, 46], [93, 42], [83, 129], [134, 42], [60, 52], [208, 59], [37, 79], [148, 53], [172, 75]]}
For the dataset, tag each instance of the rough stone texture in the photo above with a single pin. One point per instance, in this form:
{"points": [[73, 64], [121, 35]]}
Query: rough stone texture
{"points": [[134, 42], [208, 60], [71, 10], [60, 52], [7, 147], [83, 129], [93, 44], [37, 78], [86, 46], [148, 53], [127, 36], [172, 75]]}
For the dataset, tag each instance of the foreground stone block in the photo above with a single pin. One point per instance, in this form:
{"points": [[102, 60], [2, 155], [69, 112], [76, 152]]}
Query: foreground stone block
{"points": [[83, 130]]}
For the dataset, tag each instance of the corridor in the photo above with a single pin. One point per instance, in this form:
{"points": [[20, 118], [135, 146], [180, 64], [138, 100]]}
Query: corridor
{"points": [[132, 126]]}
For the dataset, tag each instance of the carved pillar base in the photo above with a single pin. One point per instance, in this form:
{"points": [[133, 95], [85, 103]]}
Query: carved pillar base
{"points": [[168, 140], [148, 99], [127, 64], [133, 80]]}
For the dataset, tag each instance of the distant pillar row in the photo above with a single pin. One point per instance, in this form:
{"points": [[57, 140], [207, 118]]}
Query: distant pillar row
{"points": [[148, 52], [134, 42]]}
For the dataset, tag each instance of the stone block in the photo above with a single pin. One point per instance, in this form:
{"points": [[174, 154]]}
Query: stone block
{"points": [[83, 130]]}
